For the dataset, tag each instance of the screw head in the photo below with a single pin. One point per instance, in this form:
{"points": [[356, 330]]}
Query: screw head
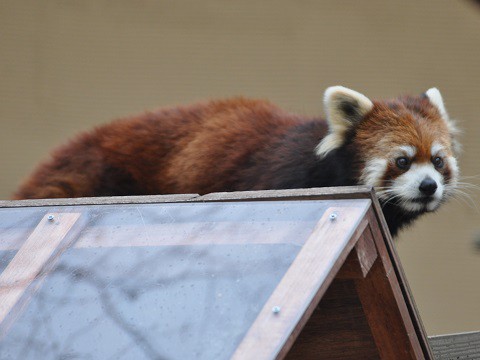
{"points": [[50, 217], [276, 309], [333, 216]]}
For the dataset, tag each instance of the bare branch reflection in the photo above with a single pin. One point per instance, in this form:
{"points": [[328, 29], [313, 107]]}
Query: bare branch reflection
{"points": [[171, 302]]}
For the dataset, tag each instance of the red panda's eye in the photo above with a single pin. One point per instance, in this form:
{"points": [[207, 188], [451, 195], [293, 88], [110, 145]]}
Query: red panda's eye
{"points": [[437, 161], [402, 162]]}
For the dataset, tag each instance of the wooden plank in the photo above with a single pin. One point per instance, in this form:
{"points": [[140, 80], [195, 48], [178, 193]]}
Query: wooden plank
{"points": [[29, 261], [337, 328], [272, 334], [366, 252], [456, 346], [325, 193], [143, 199], [381, 228], [385, 307], [361, 258]]}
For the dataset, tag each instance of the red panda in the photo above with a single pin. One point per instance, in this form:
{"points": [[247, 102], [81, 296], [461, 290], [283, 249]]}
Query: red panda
{"points": [[404, 147]]}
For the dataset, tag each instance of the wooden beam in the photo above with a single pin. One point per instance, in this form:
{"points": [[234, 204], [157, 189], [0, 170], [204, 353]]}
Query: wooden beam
{"points": [[30, 259], [361, 258], [380, 227], [272, 334], [366, 251], [325, 193], [108, 200], [386, 310]]}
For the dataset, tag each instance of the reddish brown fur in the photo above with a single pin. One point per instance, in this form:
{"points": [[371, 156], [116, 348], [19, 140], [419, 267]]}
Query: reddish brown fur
{"points": [[173, 150], [406, 121], [237, 144], [241, 144]]}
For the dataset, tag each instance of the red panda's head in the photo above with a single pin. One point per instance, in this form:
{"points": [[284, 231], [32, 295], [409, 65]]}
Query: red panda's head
{"points": [[404, 147]]}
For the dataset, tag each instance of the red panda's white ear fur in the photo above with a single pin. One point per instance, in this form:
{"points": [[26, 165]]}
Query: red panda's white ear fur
{"points": [[436, 99], [344, 109]]}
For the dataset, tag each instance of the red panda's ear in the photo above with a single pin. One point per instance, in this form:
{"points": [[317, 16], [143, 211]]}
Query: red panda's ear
{"points": [[344, 108], [433, 94], [435, 98]]}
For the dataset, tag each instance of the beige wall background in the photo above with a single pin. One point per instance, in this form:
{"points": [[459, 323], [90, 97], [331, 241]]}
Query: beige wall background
{"points": [[68, 65]]}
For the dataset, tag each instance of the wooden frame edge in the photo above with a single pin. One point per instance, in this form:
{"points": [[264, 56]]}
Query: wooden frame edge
{"points": [[325, 193], [402, 280], [107, 200]]}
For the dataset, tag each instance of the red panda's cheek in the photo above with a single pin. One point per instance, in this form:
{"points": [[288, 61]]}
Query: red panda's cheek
{"points": [[373, 172], [450, 170]]}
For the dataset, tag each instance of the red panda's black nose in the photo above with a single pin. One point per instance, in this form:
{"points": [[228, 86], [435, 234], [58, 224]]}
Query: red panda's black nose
{"points": [[428, 186]]}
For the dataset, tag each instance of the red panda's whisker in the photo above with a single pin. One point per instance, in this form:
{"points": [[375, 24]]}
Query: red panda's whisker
{"points": [[462, 177], [462, 196]]}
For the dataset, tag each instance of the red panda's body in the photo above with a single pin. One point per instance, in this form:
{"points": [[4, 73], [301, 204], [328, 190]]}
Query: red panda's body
{"points": [[202, 148], [238, 144]]}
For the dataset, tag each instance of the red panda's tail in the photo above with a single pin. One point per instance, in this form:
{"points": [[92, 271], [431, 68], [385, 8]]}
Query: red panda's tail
{"points": [[72, 171]]}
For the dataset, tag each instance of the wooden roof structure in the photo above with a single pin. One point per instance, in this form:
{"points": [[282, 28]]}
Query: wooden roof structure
{"points": [[294, 274]]}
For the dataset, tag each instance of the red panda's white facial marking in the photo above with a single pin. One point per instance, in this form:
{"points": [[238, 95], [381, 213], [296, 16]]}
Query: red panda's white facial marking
{"points": [[413, 185], [374, 171], [417, 176], [420, 188], [405, 147], [408, 151]]}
